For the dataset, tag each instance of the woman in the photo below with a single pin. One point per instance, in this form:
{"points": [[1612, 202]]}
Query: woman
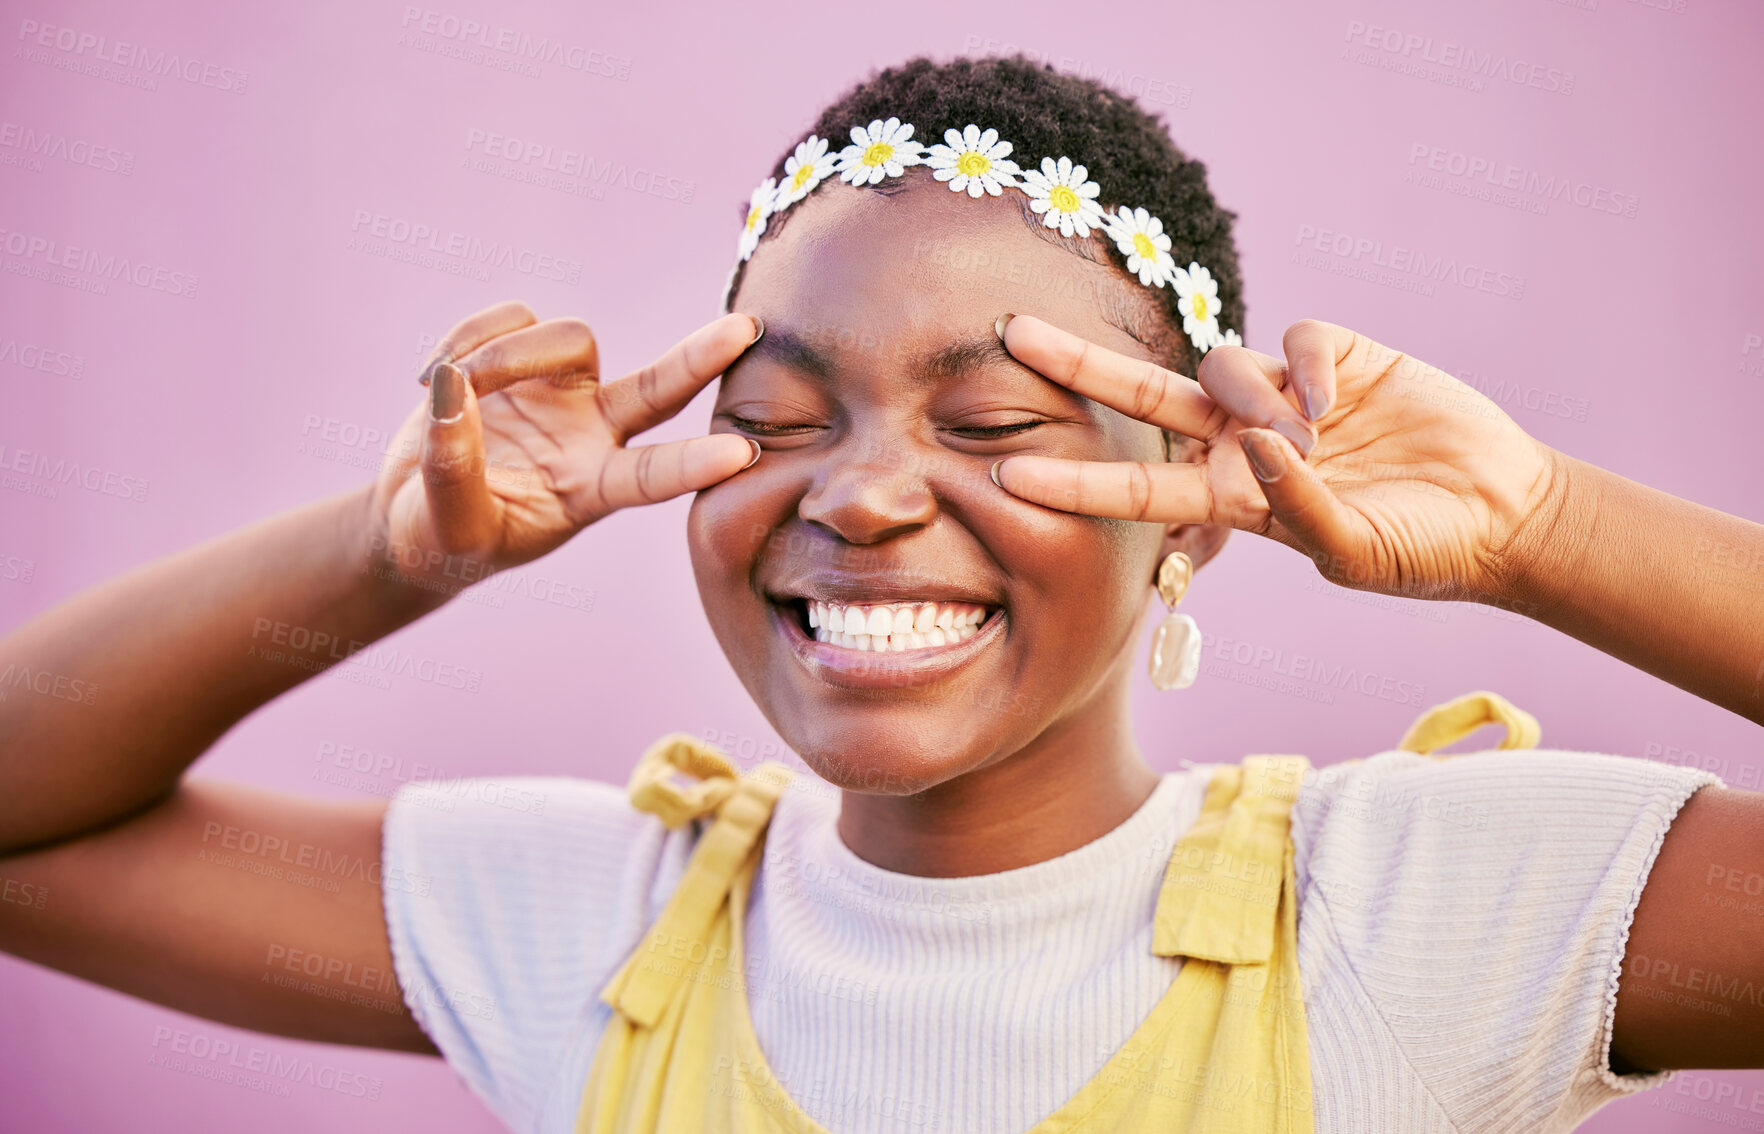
{"points": [[964, 931]]}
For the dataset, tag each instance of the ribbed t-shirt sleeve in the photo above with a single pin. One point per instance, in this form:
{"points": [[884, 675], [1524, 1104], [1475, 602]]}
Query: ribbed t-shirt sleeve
{"points": [[508, 903], [1482, 904]]}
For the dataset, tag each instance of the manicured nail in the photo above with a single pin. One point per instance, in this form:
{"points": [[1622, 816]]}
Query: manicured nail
{"points": [[998, 462], [447, 394], [1316, 404], [1299, 436], [760, 325], [1265, 458], [442, 354], [752, 459], [999, 324]]}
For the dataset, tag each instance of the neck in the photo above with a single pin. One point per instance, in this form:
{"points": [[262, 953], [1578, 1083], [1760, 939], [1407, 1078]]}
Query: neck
{"points": [[1075, 782]]}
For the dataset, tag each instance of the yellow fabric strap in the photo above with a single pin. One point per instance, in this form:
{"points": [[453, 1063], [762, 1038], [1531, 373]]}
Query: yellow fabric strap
{"points": [[1222, 886], [1448, 723], [653, 789], [642, 988]]}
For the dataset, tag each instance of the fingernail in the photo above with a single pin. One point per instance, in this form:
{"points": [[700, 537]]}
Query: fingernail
{"points": [[447, 394], [761, 325], [998, 462], [1265, 458], [442, 354], [1316, 404], [756, 452], [1299, 436], [999, 326]]}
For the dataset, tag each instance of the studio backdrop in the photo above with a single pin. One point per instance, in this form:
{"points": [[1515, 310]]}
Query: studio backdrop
{"points": [[230, 234]]}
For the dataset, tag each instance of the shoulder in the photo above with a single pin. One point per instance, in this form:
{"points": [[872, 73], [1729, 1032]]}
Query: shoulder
{"points": [[508, 902], [1473, 910], [1508, 803]]}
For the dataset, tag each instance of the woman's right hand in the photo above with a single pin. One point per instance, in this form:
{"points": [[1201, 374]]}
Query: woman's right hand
{"points": [[518, 444]]}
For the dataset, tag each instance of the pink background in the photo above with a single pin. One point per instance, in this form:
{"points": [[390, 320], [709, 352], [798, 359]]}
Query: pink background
{"points": [[1627, 348]]}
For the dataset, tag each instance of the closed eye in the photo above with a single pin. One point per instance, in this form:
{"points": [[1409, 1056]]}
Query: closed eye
{"points": [[763, 428], [990, 431]]}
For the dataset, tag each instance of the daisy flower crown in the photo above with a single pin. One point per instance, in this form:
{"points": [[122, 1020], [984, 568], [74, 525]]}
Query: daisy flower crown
{"points": [[978, 162]]}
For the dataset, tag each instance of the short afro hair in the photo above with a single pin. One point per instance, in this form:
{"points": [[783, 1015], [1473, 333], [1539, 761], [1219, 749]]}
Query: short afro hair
{"points": [[1047, 113]]}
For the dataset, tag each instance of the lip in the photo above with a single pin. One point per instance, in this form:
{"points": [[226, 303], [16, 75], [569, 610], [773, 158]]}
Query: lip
{"points": [[862, 669]]}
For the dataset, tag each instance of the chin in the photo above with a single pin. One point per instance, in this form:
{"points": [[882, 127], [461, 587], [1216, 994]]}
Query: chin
{"points": [[888, 750]]}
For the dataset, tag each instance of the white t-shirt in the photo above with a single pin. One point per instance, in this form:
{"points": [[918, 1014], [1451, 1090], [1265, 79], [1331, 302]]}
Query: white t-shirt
{"points": [[1462, 926]]}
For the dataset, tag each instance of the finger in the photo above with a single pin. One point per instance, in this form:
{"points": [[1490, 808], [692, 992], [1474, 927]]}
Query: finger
{"points": [[474, 330], [1313, 350], [1248, 385], [652, 473], [1161, 491], [1319, 524], [463, 515], [1138, 388], [647, 397], [561, 352]]}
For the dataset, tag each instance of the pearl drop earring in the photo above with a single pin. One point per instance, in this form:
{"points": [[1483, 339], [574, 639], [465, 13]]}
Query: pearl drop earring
{"points": [[1175, 653]]}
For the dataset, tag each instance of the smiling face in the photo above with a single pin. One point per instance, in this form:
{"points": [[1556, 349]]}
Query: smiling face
{"points": [[899, 618]]}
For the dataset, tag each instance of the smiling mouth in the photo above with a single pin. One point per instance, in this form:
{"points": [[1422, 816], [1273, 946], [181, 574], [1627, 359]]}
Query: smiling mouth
{"points": [[895, 627]]}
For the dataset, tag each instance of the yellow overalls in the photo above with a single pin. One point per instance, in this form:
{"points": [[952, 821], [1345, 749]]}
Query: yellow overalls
{"points": [[1223, 1052]]}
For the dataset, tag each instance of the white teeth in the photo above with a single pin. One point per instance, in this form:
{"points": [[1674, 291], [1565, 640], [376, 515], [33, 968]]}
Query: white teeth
{"points": [[894, 627]]}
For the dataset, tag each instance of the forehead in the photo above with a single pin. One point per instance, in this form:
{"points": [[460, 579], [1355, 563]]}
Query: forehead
{"points": [[880, 270]]}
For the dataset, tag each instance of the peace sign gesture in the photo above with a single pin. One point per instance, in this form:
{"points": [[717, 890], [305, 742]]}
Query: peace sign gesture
{"points": [[518, 445], [1408, 482]]}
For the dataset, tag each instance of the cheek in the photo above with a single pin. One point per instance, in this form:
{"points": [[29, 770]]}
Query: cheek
{"points": [[727, 528], [1079, 580]]}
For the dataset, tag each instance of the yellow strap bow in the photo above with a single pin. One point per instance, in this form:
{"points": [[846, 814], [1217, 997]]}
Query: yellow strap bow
{"points": [[1453, 721], [642, 988]]}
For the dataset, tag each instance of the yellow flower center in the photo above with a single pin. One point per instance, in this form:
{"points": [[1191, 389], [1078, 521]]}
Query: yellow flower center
{"points": [[1062, 198], [753, 215], [1142, 244], [1198, 304], [973, 164], [878, 153], [802, 174]]}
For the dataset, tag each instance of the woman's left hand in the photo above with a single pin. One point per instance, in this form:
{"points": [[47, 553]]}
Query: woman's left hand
{"points": [[1416, 484]]}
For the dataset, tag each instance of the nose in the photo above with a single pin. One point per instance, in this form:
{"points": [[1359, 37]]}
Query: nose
{"points": [[870, 493]]}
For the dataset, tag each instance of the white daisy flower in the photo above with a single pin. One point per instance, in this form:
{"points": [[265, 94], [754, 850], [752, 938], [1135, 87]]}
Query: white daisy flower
{"points": [[1064, 197], [759, 207], [803, 170], [974, 161], [1231, 338], [1142, 239], [1199, 304], [885, 149]]}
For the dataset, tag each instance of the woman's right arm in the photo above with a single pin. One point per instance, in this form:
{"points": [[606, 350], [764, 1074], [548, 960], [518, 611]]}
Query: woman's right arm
{"points": [[144, 877]]}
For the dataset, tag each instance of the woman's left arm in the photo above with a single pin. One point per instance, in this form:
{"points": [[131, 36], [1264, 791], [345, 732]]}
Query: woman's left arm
{"points": [[1669, 586], [1415, 484], [1410, 482]]}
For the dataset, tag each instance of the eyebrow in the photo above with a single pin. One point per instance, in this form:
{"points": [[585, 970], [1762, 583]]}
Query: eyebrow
{"points": [[945, 363]]}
